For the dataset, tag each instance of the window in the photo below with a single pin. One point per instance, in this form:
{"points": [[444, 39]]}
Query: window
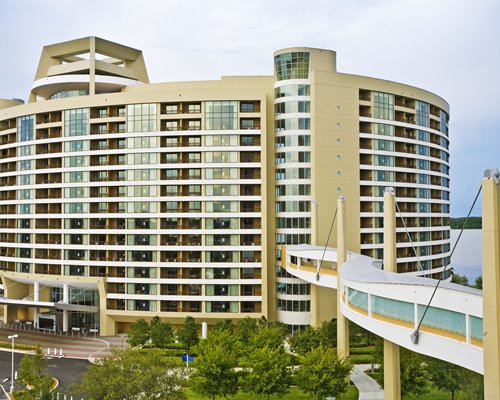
{"points": [[141, 191], [292, 90], [423, 136], [384, 176], [194, 108], [221, 140], [246, 107], [423, 150], [292, 124], [292, 107], [221, 115], [76, 122], [171, 142], [194, 125], [194, 141], [384, 160], [383, 129], [75, 208], [171, 109], [25, 150], [221, 157], [221, 206], [141, 207], [171, 125], [142, 143], [221, 173], [142, 175], [24, 165], [383, 105], [247, 124], [141, 117], [385, 145], [422, 113], [75, 192], [424, 164], [141, 158], [221, 190], [292, 66], [25, 129], [77, 145], [76, 161]]}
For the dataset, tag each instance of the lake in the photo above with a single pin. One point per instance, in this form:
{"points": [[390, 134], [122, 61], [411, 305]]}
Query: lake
{"points": [[467, 258]]}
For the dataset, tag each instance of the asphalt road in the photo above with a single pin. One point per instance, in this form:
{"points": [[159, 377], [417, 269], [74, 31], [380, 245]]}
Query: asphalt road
{"points": [[66, 370]]}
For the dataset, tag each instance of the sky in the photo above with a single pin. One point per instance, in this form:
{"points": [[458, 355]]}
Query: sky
{"points": [[449, 47]]}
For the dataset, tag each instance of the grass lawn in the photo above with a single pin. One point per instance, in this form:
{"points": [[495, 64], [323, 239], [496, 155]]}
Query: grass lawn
{"points": [[294, 394]]}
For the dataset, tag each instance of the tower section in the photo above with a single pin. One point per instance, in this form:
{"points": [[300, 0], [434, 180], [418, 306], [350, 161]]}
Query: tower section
{"points": [[292, 132]]}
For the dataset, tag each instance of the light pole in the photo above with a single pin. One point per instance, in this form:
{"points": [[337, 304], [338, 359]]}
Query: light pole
{"points": [[12, 375]]}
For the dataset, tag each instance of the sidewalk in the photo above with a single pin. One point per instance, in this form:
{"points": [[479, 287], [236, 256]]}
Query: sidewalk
{"points": [[72, 347], [368, 388]]}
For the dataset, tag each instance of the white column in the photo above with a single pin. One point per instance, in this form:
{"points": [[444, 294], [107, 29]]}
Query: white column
{"points": [[392, 378], [342, 322], [65, 312], [36, 297], [36, 291]]}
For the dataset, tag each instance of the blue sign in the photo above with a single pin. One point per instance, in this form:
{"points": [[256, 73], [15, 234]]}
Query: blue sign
{"points": [[187, 358]]}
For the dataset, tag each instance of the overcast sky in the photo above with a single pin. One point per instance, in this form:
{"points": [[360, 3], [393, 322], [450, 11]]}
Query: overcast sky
{"points": [[449, 47]]}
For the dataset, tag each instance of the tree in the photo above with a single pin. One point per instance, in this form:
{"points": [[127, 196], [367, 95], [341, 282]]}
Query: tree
{"points": [[138, 334], [305, 340], [32, 374], [359, 335], [446, 376], [227, 325], [413, 370], [32, 367], [266, 372], [246, 328], [215, 374], [322, 373], [188, 333], [160, 333], [130, 375], [328, 333], [478, 283], [271, 334], [414, 376], [460, 279]]}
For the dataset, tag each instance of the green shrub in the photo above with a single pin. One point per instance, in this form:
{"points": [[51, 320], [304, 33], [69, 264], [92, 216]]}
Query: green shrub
{"points": [[27, 347]]}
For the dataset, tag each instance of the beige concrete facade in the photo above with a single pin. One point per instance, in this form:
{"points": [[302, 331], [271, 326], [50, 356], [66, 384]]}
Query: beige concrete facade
{"points": [[291, 143]]}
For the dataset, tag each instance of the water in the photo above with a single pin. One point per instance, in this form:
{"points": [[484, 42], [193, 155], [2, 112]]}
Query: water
{"points": [[467, 258]]}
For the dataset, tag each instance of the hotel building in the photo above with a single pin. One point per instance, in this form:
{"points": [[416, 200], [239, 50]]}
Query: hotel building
{"points": [[123, 199]]}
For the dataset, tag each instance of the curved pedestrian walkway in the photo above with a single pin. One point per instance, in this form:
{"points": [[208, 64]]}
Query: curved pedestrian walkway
{"points": [[72, 347], [368, 387]]}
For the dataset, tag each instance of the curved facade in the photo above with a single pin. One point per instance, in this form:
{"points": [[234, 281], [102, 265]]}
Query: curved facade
{"points": [[122, 199], [339, 134]]}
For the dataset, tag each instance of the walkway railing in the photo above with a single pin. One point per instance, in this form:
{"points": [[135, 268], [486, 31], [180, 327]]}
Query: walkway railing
{"points": [[391, 305]]}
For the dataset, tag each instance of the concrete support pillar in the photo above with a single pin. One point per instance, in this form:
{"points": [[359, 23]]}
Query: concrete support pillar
{"points": [[342, 322], [36, 297], [65, 312], [392, 378], [36, 291], [491, 283]]}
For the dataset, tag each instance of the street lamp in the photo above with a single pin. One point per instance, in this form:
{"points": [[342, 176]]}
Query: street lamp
{"points": [[12, 370]]}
